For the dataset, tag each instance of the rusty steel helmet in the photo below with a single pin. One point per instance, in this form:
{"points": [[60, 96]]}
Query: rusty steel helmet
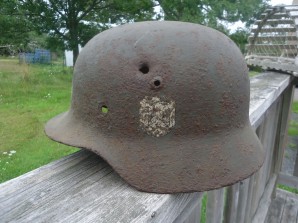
{"points": [[166, 104]]}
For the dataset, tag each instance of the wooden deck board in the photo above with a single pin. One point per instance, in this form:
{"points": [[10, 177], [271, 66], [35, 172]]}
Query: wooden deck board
{"points": [[82, 190], [290, 210], [284, 208]]}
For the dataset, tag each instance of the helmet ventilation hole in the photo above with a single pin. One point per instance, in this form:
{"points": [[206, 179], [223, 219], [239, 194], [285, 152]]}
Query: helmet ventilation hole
{"points": [[104, 109], [156, 83], [144, 68]]}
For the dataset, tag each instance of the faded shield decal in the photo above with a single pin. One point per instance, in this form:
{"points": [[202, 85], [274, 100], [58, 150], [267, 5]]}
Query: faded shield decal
{"points": [[157, 117]]}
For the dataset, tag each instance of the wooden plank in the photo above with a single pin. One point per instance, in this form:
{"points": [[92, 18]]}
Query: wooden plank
{"points": [[276, 208], [214, 211], [276, 30], [231, 204], [24, 182], [290, 181], [266, 64], [242, 202], [267, 139], [249, 188], [295, 171], [281, 136], [276, 8], [283, 129], [282, 8], [265, 201], [277, 15], [263, 135], [255, 194], [272, 58], [271, 47], [85, 191], [248, 214], [192, 212], [274, 38], [284, 208], [290, 209], [294, 15], [274, 153], [276, 21], [261, 132], [265, 89]]}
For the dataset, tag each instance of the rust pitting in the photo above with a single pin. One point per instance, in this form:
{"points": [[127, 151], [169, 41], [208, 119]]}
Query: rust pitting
{"points": [[177, 117]]}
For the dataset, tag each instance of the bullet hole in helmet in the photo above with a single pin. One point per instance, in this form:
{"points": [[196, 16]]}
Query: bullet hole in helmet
{"points": [[157, 83], [104, 109], [144, 68]]}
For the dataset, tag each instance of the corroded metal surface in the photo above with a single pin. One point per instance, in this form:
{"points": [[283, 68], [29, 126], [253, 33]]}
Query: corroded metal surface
{"points": [[166, 104]]}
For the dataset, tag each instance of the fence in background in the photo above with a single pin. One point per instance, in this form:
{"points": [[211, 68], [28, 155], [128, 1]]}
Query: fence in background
{"points": [[39, 56]]}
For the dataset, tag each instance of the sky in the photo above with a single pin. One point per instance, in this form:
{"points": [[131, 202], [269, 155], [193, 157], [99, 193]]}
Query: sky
{"points": [[233, 27], [278, 2]]}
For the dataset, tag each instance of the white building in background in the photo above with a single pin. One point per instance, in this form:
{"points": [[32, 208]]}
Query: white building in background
{"points": [[69, 57]]}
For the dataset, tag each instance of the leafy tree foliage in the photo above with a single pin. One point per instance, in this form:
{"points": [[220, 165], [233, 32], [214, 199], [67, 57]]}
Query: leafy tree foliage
{"points": [[211, 12], [13, 27], [74, 22], [68, 23], [215, 14], [16, 32], [240, 37]]}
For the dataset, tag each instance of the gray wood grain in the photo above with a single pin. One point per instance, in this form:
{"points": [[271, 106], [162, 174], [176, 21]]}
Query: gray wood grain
{"points": [[276, 209], [265, 201], [290, 209], [242, 203], [265, 89], [83, 188], [282, 133], [250, 193], [215, 206], [85, 191], [231, 204], [192, 213], [284, 208], [267, 139]]}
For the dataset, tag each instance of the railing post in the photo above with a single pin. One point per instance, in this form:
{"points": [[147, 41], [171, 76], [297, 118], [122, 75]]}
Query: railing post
{"points": [[282, 132], [232, 200], [215, 205]]}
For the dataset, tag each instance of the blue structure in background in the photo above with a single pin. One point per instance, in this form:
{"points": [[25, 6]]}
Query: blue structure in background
{"points": [[39, 56]]}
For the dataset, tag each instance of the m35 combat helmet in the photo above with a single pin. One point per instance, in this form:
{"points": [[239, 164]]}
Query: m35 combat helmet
{"points": [[166, 104]]}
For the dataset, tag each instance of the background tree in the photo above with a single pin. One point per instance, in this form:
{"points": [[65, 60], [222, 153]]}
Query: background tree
{"points": [[17, 32], [68, 23], [14, 29], [240, 37], [211, 12], [74, 22]]}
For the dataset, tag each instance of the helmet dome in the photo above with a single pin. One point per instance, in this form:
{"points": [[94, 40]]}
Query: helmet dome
{"points": [[166, 104]]}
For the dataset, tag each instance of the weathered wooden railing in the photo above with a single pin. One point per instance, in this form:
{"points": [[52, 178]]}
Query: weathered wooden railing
{"points": [[83, 188]]}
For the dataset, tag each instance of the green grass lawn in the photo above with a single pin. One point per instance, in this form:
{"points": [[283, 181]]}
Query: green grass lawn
{"points": [[29, 96], [293, 127]]}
